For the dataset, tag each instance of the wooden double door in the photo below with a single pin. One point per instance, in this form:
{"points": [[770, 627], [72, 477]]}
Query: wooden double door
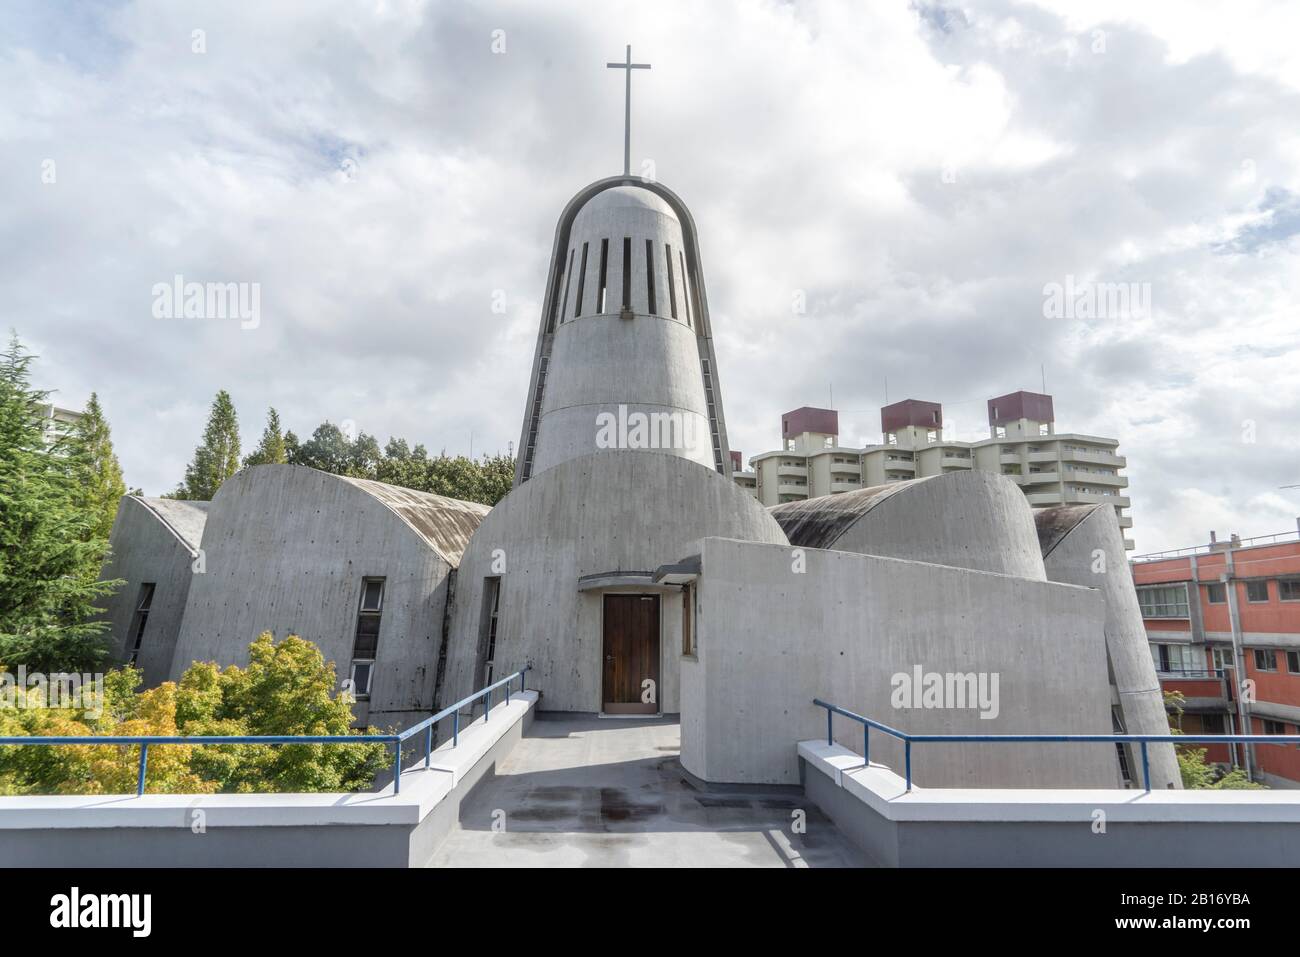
{"points": [[630, 683]]}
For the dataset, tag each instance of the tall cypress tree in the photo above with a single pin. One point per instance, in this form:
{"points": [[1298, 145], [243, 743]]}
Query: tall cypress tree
{"points": [[217, 456], [272, 450], [95, 468], [49, 552]]}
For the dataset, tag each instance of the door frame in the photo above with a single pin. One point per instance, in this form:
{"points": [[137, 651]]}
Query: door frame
{"points": [[658, 656]]}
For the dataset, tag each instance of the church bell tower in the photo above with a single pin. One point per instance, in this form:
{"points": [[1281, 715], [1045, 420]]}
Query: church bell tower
{"points": [[624, 356]]}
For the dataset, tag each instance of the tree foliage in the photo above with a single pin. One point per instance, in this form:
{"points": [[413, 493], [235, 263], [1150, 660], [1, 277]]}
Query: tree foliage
{"points": [[287, 688], [217, 456], [96, 472], [272, 449], [52, 537], [1193, 766]]}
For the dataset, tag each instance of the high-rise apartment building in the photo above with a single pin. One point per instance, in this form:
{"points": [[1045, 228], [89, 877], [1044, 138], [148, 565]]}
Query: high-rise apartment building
{"points": [[1051, 468]]}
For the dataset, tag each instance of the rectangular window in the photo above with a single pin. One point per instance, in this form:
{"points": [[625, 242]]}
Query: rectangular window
{"points": [[1257, 591], [1212, 723], [582, 282], [1274, 727], [143, 602], [627, 272], [568, 278], [1265, 659], [488, 631], [604, 276], [686, 289], [1216, 593], [672, 286], [688, 620], [1222, 658], [1288, 589], [1293, 662], [1163, 601], [365, 643], [650, 276]]}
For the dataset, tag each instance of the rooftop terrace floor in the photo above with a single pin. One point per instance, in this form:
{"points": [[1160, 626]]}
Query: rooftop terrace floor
{"points": [[583, 791]]}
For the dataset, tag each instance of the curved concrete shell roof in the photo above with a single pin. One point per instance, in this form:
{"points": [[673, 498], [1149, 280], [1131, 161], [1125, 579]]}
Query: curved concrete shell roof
{"points": [[1057, 521], [184, 518], [445, 523], [819, 522]]}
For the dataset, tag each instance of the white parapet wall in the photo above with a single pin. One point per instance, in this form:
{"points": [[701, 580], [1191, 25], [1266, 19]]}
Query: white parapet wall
{"points": [[779, 626], [1046, 827], [379, 829]]}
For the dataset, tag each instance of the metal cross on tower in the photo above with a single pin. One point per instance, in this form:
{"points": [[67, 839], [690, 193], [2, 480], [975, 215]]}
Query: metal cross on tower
{"points": [[629, 66]]}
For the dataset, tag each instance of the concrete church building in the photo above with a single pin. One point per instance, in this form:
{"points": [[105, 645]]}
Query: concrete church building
{"points": [[635, 578]]}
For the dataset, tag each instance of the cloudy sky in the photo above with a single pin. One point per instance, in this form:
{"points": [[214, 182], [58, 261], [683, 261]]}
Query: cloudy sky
{"points": [[916, 172]]}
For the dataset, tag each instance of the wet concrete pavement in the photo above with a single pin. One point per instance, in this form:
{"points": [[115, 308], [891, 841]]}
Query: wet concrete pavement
{"points": [[583, 791]]}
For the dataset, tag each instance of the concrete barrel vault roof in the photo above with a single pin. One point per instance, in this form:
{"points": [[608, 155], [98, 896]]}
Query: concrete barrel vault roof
{"points": [[1057, 521], [819, 522], [445, 523], [184, 518]]}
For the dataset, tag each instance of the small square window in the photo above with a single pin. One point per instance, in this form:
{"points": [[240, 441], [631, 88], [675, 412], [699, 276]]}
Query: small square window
{"points": [[372, 595], [1215, 593], [1265, 659], [1257, 591], [361, 671]]}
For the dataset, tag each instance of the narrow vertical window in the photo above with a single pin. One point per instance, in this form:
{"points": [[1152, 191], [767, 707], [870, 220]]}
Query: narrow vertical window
{"points": [[488, 631], [568, 278], [650, 275], [582, 282], [672, 289], [688, 620], [143, 602], [627, 272], [686, 289], [366, 643], [604, 276]]}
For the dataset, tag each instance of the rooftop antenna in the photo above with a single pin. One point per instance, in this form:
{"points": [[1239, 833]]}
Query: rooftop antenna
{"points": [[629, 66], [1042, 370]]}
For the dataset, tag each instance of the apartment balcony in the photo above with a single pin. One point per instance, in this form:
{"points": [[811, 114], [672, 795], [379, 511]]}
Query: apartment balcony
{"points": [[1202, 691], [845, 486], [792, 471], [1097, 457], [1034, 457], [789, 488], [955, 461], [1094, 478], [900, 465], [1010, 458], [847, 471], [1095, 498], [1043, 498], [1039, 478]]}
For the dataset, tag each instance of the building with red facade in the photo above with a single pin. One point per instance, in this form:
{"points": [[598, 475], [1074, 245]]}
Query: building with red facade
{"points": [[1223, 621]]}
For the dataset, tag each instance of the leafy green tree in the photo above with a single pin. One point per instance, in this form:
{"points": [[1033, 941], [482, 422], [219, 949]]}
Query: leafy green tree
{"points": [[328, 449], [50, 551], [96, 471], [1193, 767], [287, 688], [272, 450], [498, 477], [217, 456]]}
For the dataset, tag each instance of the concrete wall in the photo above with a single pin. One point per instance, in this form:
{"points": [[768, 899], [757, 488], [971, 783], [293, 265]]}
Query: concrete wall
{"points": [[147, 547], [771, 639], [1047, 828], [611, 511], [286, 550], [1086, 547]]}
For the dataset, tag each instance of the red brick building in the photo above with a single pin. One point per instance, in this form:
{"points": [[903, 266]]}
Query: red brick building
{"points": [[1223, 621]]}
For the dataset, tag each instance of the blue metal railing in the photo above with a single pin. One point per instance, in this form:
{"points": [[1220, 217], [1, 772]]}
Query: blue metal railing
{"points": [[427, 725], [1139, 739]]}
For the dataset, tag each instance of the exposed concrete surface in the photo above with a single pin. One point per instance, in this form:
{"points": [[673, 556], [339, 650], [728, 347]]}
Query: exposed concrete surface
{"points": [[612, 511], [771, 638], [153, 540], [1065, 827], [1083, 545], [582, 791]]}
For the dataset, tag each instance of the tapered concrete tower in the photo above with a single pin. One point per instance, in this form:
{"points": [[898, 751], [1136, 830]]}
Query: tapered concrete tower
{"points": [[624, 355]]}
